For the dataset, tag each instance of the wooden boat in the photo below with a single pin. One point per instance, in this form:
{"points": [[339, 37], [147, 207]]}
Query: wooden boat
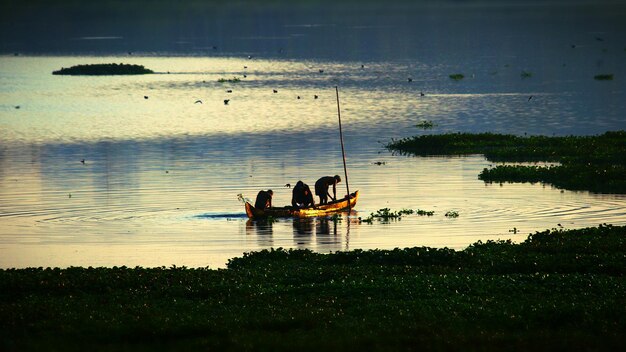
{"points": [[288, 212]]}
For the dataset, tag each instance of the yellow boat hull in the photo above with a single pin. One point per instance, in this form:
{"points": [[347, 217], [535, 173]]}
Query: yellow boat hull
{"points": [[291, 212]]}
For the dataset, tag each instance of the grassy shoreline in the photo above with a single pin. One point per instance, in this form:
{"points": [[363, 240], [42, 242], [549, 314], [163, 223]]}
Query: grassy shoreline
{"points": [[557, 290], [590, 163]]}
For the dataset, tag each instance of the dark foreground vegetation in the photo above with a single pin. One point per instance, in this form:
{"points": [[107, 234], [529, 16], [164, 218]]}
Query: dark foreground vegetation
{"points": [[592, 163], [558, 290], [103, 70]]}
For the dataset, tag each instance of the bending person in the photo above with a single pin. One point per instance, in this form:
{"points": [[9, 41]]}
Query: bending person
{"points": [[321, 188], [301, 196], [264, 199]]}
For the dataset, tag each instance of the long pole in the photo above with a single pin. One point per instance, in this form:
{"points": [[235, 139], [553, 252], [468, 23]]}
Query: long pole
{"points": [[343, 151]]}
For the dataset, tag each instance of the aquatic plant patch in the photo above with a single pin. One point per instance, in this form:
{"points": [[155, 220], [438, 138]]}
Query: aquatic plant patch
{"points": [[604, 77], [452, 214], [593, 163], [386, 214], [103, 70], [526, 74], [457, 76], [421, 212], [426, 124], [229, 80], [563, 289]]}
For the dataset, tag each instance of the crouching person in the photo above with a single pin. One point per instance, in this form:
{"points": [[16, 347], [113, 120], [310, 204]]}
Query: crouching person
{"points": [[264, 199]]}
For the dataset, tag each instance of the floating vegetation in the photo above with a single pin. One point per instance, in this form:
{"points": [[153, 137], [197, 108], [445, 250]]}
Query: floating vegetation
{"points": [[385, 215], [103, 70], [421, 212], [425, 124], [514, 294], [457, 76], [604, 77], [526, 74], [229, 80], [452, 214], [593, 163]]}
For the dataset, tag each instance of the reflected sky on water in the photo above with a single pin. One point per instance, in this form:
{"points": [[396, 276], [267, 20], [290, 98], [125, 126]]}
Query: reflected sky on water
{"points": [[161, 174]]}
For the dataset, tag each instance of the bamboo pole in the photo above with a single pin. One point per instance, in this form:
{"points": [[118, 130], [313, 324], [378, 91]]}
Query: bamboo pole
{"points": [[343, 151]]}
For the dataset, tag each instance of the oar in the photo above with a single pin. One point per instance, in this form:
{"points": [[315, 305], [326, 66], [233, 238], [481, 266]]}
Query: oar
{"points": [[343, 151]]}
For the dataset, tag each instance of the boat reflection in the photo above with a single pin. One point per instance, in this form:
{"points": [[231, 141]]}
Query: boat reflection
{"points": [[303, 231], [263, 229], [329, 232]]}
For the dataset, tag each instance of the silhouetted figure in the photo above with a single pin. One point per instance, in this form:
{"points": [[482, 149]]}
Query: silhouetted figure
{"points": [[288, 185], [264, 199], [321, 188], [249, 57], [17, 106], [315, 96], [298, 97], [409, 79], [83, 161], [321, 71], [530, 97], [301, 196], [362, 66], [245, 67], [422, 94], [229, 91], [245, 76], [274, 90], [226, 101], [145, 97], [198, 102]]}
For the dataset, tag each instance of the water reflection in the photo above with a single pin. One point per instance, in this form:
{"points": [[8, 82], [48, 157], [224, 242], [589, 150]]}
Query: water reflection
{"points": [[324, 233], [161, 175], [262, 229], [303, 231]]}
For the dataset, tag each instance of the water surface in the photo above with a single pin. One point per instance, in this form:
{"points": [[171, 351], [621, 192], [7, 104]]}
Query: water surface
{"points": [[161, 175]]}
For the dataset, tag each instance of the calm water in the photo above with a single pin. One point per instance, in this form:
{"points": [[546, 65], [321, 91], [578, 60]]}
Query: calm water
{"points": [[161, 175]]}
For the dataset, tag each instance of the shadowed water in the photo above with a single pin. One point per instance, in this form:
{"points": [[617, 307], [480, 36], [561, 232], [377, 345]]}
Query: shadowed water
{"points": [[161, 175]]}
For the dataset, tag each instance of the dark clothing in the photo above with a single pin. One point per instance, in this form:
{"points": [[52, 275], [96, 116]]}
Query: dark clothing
{"points": [[321, 188], [302, 196], [263, 200]]}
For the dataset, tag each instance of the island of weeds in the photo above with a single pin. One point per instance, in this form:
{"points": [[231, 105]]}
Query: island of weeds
{"points": [[103, 70], [592, 163]]}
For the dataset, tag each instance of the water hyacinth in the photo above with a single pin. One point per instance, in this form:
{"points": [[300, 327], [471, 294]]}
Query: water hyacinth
{"points": [[426, 124], [511, 291], [385, 215], [229, 80], [457, 76], [604, 77], [103, 69], [593, 163]]}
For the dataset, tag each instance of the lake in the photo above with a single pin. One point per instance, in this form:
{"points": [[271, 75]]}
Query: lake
{"points": [[162, 171]]}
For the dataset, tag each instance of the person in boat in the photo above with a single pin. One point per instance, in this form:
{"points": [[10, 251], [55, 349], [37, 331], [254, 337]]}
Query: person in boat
{"points": [[301, 196], [321, 188], [264, 199]]}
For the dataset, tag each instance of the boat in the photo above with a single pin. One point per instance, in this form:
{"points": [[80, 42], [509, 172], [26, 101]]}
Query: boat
{"points": [[291, 212]]}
